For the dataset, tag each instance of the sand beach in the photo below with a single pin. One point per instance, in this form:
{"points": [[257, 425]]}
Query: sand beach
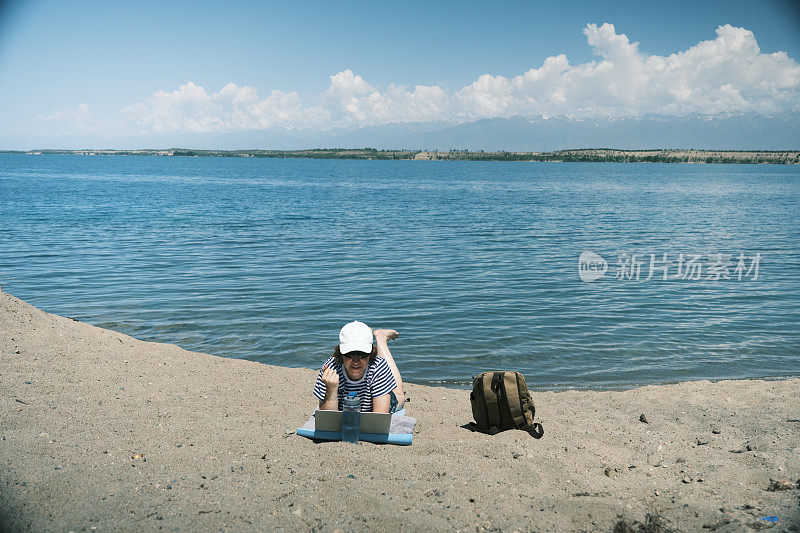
{"points": [[103, 432]]}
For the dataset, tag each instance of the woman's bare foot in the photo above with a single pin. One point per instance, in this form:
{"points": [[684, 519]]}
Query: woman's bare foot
{"points": [[385, 334]]}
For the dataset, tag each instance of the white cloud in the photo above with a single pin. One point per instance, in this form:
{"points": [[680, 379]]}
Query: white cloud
{"points": [[79, 118], [191, 109], [726, 74], [352, 101]]}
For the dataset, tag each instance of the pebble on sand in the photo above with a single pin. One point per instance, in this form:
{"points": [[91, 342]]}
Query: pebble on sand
{"points": [[776, 485]]}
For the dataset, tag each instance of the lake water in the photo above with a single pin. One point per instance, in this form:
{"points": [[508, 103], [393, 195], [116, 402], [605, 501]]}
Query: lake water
{"points": [[476, 264]]}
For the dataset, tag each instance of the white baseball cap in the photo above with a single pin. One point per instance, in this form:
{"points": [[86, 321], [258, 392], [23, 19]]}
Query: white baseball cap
{"points": [[355, 337]]}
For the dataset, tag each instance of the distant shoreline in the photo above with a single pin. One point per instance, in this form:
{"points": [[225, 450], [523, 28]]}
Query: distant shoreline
{"points": [[588, 155]]}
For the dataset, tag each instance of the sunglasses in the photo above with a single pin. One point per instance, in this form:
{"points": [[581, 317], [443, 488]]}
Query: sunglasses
{"points": [[356, 355]]}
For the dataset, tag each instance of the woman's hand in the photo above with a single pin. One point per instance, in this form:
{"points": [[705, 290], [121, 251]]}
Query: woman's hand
{"points": [[385, 334], [331, 380]]}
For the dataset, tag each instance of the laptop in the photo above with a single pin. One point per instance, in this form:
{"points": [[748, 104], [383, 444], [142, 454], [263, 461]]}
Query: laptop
{"points": [[377, 423]]}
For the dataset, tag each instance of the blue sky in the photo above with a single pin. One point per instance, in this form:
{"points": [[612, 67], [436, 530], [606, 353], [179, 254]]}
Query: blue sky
{"points": [[96, 68]]}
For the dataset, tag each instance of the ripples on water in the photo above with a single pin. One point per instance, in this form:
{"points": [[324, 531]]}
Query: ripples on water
{"points": [[474, 263]]}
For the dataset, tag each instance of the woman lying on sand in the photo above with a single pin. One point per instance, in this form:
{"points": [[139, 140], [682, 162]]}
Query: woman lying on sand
{"points": [[358, 366]]}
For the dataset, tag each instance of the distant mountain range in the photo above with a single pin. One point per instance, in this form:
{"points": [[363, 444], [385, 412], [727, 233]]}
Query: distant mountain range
{"points": [[525, 134], [731, 132]]}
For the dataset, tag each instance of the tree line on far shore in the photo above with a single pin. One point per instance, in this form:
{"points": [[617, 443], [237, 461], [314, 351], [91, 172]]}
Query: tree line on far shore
{"points": [[588, 155]]}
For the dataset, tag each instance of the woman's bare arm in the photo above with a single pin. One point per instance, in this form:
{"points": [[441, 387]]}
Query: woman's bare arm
{"points": [[331, 380], [381, 404]]}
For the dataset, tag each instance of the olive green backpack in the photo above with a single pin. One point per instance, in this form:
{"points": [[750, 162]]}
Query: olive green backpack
{"points": [[501, 401]]}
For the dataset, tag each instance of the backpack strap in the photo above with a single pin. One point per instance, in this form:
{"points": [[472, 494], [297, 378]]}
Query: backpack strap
{"points": [[535, 430], [529, 407], [494, 430], [490, 387], [511, 390]]}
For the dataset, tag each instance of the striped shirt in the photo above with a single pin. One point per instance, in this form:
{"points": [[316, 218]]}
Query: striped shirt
{"points": [[377, 381]]}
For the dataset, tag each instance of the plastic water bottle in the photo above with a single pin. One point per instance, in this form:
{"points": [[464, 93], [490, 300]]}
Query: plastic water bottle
{"points": [[351, 418]]}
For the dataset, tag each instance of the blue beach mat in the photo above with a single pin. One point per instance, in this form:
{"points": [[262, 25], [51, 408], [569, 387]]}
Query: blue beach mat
{"points": [[400, 431]]}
